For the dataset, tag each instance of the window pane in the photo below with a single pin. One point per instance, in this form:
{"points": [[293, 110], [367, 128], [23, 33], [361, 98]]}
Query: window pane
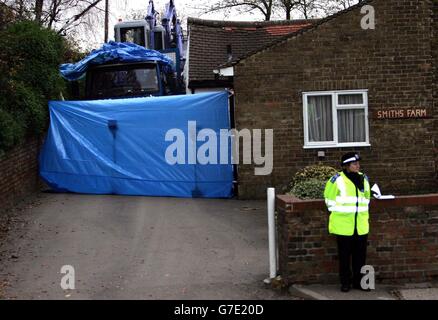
{"points": [[107, 82], [134, 35], [320, 118], [351, 126], [350, 99]]}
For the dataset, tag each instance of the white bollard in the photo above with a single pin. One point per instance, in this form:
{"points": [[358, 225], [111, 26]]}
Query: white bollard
{"points": [[271, 228]]}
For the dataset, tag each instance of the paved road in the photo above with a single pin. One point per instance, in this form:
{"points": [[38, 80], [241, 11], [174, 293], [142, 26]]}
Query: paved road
{"points": [[138, 248]]}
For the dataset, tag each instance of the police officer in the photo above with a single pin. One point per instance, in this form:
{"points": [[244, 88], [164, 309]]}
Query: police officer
{"points": [[347, 196]]}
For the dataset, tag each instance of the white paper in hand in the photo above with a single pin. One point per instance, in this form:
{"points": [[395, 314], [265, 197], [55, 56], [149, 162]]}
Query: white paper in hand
{"points": [[376, 190], [378, 195]]}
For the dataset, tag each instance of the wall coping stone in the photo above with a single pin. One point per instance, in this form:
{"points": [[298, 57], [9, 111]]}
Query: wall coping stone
{"points": [[293, 204]]}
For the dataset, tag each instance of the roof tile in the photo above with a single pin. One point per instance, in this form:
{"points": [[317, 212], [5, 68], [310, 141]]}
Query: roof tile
{"points": [[209, 40]]}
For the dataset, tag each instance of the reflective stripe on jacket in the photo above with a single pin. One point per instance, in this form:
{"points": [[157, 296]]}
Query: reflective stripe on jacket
{"points": [[348, 205]]}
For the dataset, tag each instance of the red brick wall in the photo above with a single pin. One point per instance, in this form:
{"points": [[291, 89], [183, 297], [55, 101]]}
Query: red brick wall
{"points": [[394, 62], [403, 240], [19, 172]]}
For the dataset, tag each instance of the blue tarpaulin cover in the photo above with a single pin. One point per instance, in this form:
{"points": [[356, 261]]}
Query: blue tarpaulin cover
{"points": [[115, 52], [119, 146]]}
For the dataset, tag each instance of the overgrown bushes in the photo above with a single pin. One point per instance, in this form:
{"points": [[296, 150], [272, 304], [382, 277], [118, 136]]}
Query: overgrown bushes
{"points": [[309, 183], [29, 77]]}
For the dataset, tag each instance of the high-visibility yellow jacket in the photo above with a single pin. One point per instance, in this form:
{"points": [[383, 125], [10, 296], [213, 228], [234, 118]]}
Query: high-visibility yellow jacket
{"points": [[348, 205]]}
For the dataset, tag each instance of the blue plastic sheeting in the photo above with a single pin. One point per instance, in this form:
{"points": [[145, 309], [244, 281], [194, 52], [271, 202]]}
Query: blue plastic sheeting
{"points": [[119, 146], [115, 52]]}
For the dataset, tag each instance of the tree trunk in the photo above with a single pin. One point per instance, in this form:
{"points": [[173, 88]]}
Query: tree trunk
{"points": [[106, 20], [305, 12], [268, 14], [38, 10]]}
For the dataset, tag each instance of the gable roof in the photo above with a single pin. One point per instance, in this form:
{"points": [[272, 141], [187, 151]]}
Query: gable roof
{"points": [[210, 40], [299, 32]]}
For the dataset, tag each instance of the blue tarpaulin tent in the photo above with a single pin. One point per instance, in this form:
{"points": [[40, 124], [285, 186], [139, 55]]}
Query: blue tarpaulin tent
{"points": [[119, 146]]}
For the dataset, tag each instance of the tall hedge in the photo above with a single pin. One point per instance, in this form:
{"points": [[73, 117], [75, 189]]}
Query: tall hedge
{"points": [[29, 78]]}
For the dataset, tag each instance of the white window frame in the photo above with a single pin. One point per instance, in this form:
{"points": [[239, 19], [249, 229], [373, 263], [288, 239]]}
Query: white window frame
{"points": [[335, 107]]}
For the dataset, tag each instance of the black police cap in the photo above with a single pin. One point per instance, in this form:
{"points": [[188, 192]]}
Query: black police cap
{"points": [[350, 157]]}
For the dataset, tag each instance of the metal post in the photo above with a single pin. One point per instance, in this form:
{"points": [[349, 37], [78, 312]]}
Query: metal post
{"points": [[271, 227]]}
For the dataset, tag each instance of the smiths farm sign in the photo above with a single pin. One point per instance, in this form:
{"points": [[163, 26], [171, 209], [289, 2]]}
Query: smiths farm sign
{"points": [[402, 113]]}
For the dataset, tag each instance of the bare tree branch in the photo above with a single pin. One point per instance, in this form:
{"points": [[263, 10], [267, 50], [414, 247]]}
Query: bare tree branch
{"points": [[307, 8], [78, 16], [263, 6]]}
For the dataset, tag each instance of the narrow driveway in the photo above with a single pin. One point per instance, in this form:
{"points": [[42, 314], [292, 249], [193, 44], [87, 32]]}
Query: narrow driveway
{"points": [[137, 248]]}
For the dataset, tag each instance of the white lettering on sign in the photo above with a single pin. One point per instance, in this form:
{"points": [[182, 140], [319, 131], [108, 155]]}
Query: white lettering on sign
{"points": [[417, 113], [402, 113]]}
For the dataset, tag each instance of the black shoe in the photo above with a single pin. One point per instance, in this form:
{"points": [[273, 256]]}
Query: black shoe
{"points": [[345, 288]]}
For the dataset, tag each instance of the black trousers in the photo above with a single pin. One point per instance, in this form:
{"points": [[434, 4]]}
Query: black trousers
{"points": [[352, 251]]}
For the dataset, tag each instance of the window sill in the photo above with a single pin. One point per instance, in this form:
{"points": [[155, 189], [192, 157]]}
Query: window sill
{"points": [[343, 145]]}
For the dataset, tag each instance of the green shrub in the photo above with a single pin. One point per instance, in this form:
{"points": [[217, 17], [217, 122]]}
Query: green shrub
{"points": [[310, 189], [11, 132], [29, 78], [309, 183]]}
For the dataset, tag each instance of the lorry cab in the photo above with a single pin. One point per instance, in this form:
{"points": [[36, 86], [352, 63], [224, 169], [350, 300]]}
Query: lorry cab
{"points": [[139, 32], [127, 80], [145, 59]]}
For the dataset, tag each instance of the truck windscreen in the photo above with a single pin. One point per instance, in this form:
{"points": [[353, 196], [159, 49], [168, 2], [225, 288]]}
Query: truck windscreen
{"points": [[123, 81], [135, 35]]}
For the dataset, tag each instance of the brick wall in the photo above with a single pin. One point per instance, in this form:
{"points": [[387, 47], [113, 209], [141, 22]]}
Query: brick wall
{"points": [[394, 62], [19, 172], [435, 71], [403, 240]]}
